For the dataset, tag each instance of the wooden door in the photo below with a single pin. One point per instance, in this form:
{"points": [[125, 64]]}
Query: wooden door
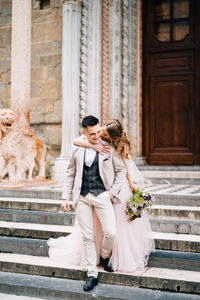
{"points": [[171, 81]]}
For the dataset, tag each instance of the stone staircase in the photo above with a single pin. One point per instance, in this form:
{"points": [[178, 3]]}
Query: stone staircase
{"points": [[29, 217]]}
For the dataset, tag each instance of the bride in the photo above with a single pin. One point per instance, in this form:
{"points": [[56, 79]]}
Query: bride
{"points": [[133, 244]]}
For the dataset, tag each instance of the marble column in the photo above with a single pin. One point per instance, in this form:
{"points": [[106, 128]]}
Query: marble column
{"points": [[94, 58], [21, 59], [70, 82]]}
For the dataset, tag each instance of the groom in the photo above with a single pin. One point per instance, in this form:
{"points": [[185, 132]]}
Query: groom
{"points": [[94, 180]]}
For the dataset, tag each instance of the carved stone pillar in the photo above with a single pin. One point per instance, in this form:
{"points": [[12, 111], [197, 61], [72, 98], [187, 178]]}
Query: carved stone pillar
{"points": [[21, 59], [115, 61], [125, 63], [135, 78], [105, 59], [70, 82], [84, 60], [94, 58]]}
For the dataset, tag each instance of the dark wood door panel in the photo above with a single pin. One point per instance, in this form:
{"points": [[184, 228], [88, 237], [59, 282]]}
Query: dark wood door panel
{"points": [[171, 81], [172, 62], [171, 119], [173, 159]]}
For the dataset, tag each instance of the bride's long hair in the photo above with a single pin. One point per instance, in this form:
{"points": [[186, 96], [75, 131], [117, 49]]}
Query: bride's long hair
{"points": [[118, 137]]}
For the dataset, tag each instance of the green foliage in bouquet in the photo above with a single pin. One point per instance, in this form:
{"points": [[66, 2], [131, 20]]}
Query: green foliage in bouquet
{"points": [[139, 200]]}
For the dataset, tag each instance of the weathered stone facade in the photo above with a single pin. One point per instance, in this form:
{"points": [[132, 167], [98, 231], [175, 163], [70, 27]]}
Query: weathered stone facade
{"points": [[46, 102], [5, 52], [46, 105]]}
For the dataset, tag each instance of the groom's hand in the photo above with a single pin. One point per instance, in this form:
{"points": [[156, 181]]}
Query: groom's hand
{"points": [[65, 205]]}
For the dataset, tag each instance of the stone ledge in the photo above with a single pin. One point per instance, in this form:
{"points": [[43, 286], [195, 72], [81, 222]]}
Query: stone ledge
{"points": [[154, 278], [38, 217], [159, 258], [56, 288]]}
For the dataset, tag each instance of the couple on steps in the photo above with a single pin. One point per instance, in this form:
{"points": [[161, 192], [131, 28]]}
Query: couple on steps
{"points": [[101, 176]]}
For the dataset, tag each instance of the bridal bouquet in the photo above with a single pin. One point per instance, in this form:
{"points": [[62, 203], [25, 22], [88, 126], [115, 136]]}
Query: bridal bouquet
{"points": [[139, 200]]}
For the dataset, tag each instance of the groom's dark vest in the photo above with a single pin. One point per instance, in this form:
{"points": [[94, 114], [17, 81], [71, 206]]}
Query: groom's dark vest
{"points": [[91, 180]]}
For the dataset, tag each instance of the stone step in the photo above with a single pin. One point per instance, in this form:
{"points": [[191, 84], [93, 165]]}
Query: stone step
{"points": [[30, 204], [173, 177], [169, 168], [53, 193], [44, 287], [177, 242], [26, 246], [165, 241], [36, 193], [175, 260], [13, 215], [177, 200], [173, 211], [49, 205], [151, 277], [170, 225], [33, 230], [159, 258], [175, 226], [174, 189], [17, 297]]}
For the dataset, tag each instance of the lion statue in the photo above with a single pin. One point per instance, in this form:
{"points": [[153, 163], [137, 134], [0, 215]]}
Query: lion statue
{"points": [[21, 153]]}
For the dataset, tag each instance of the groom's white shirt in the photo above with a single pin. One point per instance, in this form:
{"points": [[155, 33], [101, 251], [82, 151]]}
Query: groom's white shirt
{"points": [[89, 156], [111, 169]]}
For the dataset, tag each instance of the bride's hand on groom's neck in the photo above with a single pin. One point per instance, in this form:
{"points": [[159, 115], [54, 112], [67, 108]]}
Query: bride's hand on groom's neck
{"points": [[101, 148]]}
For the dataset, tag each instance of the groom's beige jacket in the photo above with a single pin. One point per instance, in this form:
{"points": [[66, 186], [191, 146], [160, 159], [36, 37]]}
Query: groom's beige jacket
{"points": [[111, 169]]}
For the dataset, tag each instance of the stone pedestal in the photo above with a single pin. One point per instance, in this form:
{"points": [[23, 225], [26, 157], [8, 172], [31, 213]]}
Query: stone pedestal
{"points": [[70, 83], [21, 59]]}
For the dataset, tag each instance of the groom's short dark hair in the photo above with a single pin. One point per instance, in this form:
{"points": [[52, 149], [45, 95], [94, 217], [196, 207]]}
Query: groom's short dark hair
{"points": [[89, 121]]}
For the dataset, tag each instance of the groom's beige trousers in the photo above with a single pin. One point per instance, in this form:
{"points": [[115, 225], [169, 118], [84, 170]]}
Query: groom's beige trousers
{"points": [[104, 210]]}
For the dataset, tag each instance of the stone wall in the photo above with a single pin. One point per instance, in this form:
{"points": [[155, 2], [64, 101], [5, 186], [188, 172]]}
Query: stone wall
{"points": [[5, 52], [46, 103]]}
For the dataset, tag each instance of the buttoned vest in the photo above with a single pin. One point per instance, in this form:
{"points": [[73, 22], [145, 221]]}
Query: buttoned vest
{"points": [[91, 180]]}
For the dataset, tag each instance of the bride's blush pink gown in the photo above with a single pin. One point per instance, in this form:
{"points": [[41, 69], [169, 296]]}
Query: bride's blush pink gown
{"points": [[132, 245]]}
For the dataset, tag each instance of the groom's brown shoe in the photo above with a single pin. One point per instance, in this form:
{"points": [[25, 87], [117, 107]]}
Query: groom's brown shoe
{"points": [[90, 283], [104, 262]]}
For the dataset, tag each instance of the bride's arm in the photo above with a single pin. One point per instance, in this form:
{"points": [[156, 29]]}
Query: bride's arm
{"points": [[132, 184], [83, 142]]}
